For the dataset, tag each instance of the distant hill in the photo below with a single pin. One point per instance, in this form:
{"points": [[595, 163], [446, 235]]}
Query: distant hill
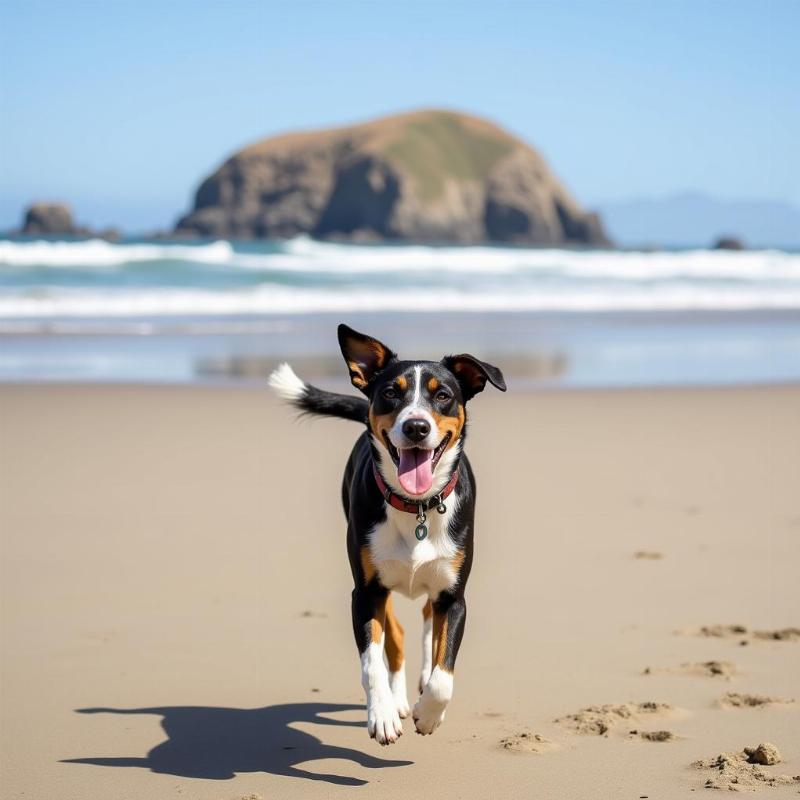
{"points": [[422, 176], [696, 219]]}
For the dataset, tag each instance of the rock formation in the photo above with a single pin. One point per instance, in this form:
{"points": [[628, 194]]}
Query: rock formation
{"points": [[422, 176], [55, 219], [50, 219], [728, 243]]}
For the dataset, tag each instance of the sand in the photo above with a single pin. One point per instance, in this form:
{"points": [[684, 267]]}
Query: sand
{"points": [[738, 772], [175, 599]]}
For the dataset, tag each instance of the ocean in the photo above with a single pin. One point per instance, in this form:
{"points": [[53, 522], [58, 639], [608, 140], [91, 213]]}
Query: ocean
{"points": [[152, 311]]}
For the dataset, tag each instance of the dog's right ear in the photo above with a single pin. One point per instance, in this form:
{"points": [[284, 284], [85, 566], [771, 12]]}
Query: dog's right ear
{"points": [[365, 357]]}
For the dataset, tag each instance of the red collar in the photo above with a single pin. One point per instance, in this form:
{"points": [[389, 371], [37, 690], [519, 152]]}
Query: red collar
{"points": [[402, 504]]}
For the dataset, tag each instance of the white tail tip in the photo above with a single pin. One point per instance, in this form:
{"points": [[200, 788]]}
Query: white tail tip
{"points": [[286, 384]]}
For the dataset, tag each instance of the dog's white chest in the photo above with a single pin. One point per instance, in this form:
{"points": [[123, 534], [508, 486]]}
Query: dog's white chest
{"points": [[409, 566]]}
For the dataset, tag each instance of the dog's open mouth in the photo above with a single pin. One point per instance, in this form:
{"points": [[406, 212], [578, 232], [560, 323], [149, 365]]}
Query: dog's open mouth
{"points": [[415, 465]]}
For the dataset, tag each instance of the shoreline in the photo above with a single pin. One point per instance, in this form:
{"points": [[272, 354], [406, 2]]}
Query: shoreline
{"points": [[523, 387], [168, 237], [542, 350], [213, 324]]}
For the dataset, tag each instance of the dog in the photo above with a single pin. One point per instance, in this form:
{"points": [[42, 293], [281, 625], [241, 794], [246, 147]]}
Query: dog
{"points": [[409, 498]]}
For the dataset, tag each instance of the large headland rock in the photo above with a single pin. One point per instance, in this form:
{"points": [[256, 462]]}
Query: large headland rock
{"points": [[434, 176]]}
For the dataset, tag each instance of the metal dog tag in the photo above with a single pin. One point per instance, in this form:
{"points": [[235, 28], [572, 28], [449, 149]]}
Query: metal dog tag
{"points": [[421, 531]]}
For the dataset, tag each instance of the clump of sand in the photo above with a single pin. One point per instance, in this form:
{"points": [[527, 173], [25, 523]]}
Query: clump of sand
{"points": [[743, 771], [780, 635], [599, 720], [742, 700], [655, 736], [766, 753], [745, 634], [705, 669], [648, 555], [722, 631], [527, 742]]}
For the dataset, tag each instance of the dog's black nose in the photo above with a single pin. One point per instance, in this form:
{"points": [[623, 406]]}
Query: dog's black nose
{"points": [[416, 429]]}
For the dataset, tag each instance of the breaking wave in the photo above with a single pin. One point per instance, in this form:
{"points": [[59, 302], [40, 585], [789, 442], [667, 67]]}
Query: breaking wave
{"points": [[98, 278]]}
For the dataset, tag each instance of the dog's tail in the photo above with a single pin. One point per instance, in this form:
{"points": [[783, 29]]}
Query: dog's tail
{"points": [[311, 400]]}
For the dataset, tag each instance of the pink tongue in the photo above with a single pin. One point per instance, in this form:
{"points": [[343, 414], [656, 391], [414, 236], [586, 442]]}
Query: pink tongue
{"points": [[414, 471]]}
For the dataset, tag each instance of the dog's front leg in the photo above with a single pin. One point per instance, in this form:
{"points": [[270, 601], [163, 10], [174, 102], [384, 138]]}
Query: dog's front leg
{"points": [[369, 623], [449, 616], [427, 645]]}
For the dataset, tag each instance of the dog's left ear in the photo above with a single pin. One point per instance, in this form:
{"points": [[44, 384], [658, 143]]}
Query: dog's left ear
{"points": [[472, 374], [364, 356]]}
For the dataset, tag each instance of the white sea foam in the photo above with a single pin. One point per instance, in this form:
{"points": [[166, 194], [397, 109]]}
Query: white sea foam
{"points": [[287, 300], [301, 276], [97, 253], [304, 255], [626, 265]]}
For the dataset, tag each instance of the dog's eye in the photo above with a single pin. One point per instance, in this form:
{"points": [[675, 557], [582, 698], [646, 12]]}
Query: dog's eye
{"points": [[442, 396], [389, 393]]}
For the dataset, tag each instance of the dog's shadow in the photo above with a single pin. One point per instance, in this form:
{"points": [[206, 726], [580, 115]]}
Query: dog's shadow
{"points": [[218, 743]]}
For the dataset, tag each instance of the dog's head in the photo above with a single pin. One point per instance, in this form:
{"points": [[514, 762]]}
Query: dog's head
{"points": [[417, 409]]}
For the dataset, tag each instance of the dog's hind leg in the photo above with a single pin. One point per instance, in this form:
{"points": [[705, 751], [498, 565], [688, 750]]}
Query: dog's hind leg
{"points": [[396, 660]]}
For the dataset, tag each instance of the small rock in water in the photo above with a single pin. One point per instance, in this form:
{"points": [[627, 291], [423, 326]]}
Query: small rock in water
{"points": [[728, 242]]}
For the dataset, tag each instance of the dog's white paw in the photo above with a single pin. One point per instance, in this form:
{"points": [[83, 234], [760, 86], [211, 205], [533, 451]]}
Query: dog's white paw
{"points": [[397, 682], [428, 714], [432, 704], [383, 721]]}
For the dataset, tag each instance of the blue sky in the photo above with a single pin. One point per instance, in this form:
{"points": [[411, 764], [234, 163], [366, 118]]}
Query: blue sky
{"points": [[122, 107]]}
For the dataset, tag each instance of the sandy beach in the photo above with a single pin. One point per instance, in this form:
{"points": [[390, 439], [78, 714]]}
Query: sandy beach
{"points": [[176, 599]]}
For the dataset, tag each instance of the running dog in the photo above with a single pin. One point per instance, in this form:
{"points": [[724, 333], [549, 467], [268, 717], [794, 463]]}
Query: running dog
{"points": [[409, 498]]}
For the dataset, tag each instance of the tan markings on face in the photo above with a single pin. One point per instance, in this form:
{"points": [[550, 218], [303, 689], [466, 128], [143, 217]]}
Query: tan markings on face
{"points": [[379, 423], [433, 385], [440, 640], [378, 621], [427, 610], [402, 382], [367, 565], [394, 638], [452, 425]]}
